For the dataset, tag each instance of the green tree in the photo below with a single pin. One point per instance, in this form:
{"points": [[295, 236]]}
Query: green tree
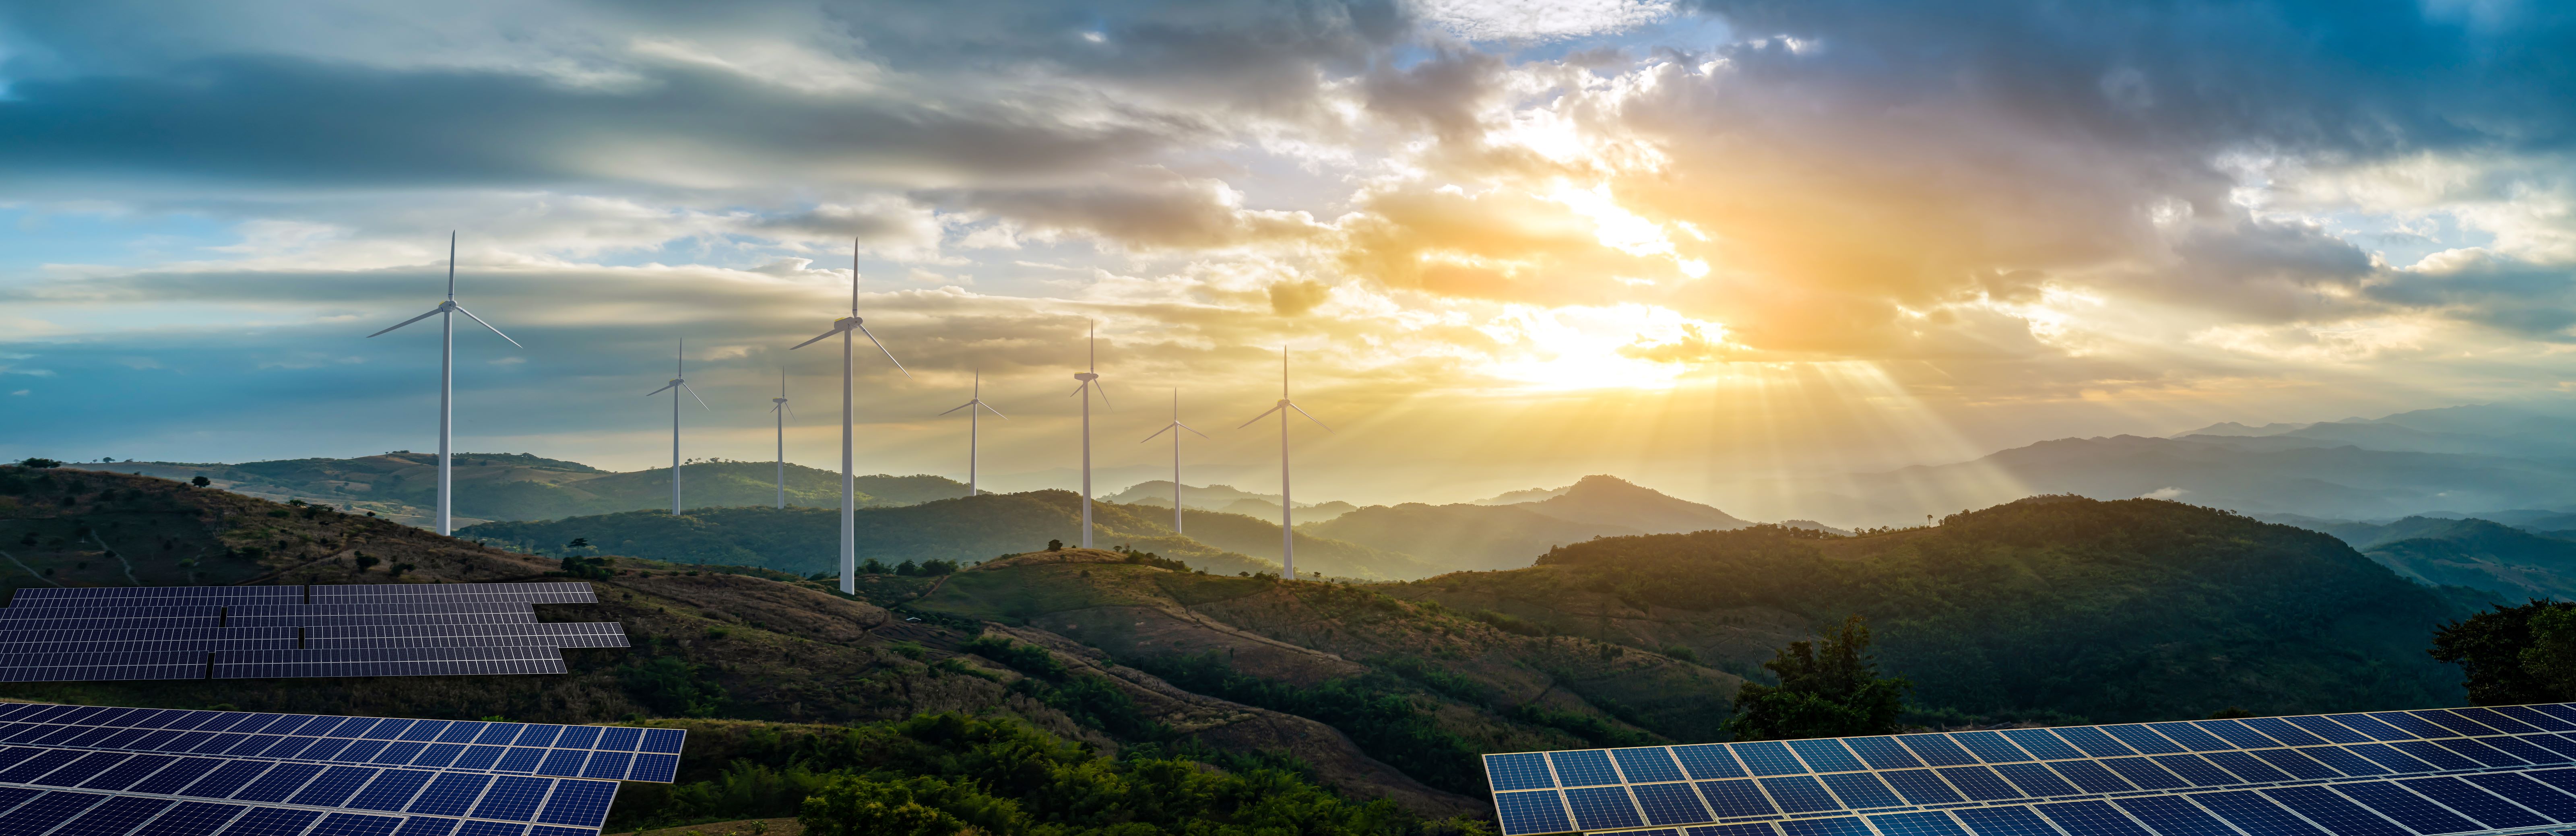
{"points": [[201, 481], [861, 807], [2514, 655], [34, 463], [1828, 688]]}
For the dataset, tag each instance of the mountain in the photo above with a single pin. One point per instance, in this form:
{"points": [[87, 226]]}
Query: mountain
{"points": [[2231, 428], [1226, 498], [1480, 536], [517, 486], [2060, 609], [1520, 496], [2509, 562], [804, 541], [773, 675]]}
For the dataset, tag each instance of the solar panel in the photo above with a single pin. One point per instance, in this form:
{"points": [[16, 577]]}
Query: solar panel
{"points": [[135, 633], [2497, 771], [103, 771]]}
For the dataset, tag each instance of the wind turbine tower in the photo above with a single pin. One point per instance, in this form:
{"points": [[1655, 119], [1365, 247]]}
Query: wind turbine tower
{"points": [[1287, 505], [1175, 428], [973, 428], [781, 412], [678, 384], [1090, 384], [849, 500], [446, 313]]}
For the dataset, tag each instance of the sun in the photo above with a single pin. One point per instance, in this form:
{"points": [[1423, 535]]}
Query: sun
{"points": [[1624, 346]]}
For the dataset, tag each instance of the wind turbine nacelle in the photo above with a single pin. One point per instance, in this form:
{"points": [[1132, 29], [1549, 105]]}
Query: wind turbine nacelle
{"points": [[847, 322], [676, 381], [1085, 376]]}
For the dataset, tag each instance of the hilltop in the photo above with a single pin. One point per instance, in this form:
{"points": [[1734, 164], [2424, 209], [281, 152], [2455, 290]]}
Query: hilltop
{"points": [[1226, 498], [1478, 535], [516, 486], [807, 540], [2053, 608], [709, 642]]}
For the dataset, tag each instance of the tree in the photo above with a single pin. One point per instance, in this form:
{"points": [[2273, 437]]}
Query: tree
{"points": [[577, 543], [201, 481], [34, 463], [2514, 655], [1828, 688], [1055, 545]]}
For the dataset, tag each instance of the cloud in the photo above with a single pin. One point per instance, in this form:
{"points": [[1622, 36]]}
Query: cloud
{"points": [[1147, 208]]}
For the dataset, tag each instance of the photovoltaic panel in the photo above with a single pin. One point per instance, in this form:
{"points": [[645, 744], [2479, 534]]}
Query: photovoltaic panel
{"points": [[131, 633], [2476, 772]]}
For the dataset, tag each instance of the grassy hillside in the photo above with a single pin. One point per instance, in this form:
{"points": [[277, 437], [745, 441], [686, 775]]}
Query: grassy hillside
{"points": [[2509, 562], [738, 644], [2053, 607], [1461, 536], [1417, 686], [806, 540], [517, 486]]}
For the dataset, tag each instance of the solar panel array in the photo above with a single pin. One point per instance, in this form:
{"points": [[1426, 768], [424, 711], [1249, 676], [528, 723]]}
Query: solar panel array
{"points": [[2499, 770], [260, 632], [100, 771]]}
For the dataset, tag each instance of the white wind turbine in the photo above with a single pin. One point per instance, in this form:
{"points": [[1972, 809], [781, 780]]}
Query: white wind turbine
{"points": [[1090, 383], [1287, 506], [782, 412], [1174, 427], [446, 313], [973, 426], [678, 385], [849, 500]]}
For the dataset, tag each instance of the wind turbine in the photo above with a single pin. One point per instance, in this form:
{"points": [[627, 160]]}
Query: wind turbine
{"points": [[1174, 428], [446, 313], [1090, 383], [677, 385], [1287, 507], [972, 429], [849, 501], [782, 411]]}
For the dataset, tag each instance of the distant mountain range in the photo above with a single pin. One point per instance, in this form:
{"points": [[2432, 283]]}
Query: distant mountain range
{"points": [[1478, 536], [519, 486], [1226, 498]]}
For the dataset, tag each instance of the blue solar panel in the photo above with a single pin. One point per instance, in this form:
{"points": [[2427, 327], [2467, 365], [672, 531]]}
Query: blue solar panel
{"points": [[512, 798], [1826, 755], [2036, 780], [2144, 773], [1708, 761], [2004, 821], [114, 817], [426, 826], [2238, 734], [1989, 746], [1602, 807], [2366, 724], [2246, 767], [1862, 790], [1799, 794], [1979, 783], [1671, 804], [1586, 768], [2415, 725], [2345, 760], [1540, 811], [45, 811], [2297, 764], [1767, 758], [2480, 752], [1936, 749], [1848, 826], [2440, 758], [2407, 808], [2145, 740], [651, 767], [1521, 771], [2256, 815], [2089, 818], [391, 791], [2093, 741], [2041, 744], [2527, 749], [1883, 753], [1916, 824], [2191, 736], [450, 794], [2536, 719], [1738, 798], [1646, 765], [1920, 786], [2195, 770], [2475, 803], [278, 783], [1751, 829], [585, 803], [2335, 813], [271, 821]]}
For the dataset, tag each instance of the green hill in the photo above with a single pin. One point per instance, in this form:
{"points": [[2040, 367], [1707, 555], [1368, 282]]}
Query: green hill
{"points": [[806, 540], [2052, 607], [2510, 562], [518, 486]]}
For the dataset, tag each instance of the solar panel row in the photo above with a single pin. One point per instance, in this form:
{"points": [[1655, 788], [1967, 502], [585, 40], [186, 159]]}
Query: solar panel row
{"points": [[131, 633], [526, 748], [1715, 782]]}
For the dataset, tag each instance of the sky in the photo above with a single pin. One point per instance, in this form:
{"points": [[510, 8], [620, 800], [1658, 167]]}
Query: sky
{"points": [[1504, 243]]}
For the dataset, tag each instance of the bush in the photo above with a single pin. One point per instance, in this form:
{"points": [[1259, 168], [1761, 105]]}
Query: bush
{"points": [[673, 686], [34, 463]]}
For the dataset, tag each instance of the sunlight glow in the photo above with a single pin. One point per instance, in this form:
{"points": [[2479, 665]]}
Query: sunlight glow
{"points": [[1626, 346]]}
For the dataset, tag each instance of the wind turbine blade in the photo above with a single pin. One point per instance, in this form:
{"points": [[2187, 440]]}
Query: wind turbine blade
{"points": [[1302, 411], [1097, 386], [989, 408], [693, 393], [1157, 433], [432, 312], [479, 320], [957, 407], [1193, 430], [660, 391], [1077, 389], [777, 408], [898, 364], [817, 339], [791, 412], [1256, 418]]}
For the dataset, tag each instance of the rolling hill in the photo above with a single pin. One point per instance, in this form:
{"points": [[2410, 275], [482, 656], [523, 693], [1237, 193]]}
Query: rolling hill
{"points": [[1478, 536], [806, 540], [517, 486], [2051, 608]]}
